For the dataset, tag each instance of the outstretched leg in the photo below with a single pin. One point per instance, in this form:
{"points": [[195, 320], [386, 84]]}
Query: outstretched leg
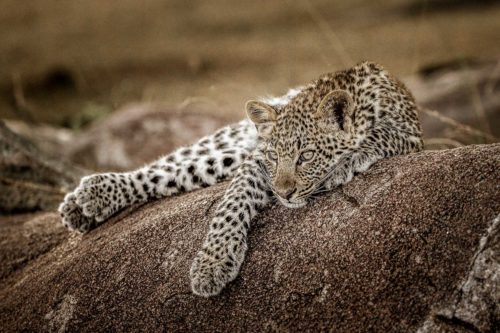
{"points": [[211, 159], [222, 253]]}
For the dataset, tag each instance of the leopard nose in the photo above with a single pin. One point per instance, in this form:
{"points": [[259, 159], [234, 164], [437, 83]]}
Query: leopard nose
{"points": [[286, 193]]}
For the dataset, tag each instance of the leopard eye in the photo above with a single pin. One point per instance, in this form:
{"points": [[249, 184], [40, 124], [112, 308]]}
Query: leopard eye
{"points": [[306, 156], [271, 155]]}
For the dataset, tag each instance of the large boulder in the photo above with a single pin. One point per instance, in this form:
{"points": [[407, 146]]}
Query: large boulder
{"points": [[413, 244]]}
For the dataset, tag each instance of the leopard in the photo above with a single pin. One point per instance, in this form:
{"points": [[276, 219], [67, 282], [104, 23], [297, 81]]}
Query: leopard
{"points": [[288, 151]]}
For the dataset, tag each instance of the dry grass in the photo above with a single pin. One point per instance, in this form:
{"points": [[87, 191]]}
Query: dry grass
{"points": [[342, 55], [216, 55], [224, 51]]}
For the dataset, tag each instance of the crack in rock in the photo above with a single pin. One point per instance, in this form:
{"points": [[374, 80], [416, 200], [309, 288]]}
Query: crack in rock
{"points": [[59, 317], [476, 305]]}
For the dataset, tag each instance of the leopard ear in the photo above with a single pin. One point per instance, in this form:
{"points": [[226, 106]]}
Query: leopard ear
{"points": [[336, 109], [262, 115]]}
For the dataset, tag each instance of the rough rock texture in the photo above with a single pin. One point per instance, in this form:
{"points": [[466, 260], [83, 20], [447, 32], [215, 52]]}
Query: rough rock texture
{"points": [[476, 305], [389, 252]]}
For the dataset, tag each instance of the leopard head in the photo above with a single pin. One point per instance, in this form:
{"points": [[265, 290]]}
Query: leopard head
{"points": [[302, 141]]}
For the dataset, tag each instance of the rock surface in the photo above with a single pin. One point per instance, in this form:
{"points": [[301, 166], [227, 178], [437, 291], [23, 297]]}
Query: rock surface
{"points": [[392, 251]]}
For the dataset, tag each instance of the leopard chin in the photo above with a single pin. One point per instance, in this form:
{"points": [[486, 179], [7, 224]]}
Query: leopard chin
{"points": [[290, 204]]}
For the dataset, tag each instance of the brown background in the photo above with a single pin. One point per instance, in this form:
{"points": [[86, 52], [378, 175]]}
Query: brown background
{"points": [[74, 61]]}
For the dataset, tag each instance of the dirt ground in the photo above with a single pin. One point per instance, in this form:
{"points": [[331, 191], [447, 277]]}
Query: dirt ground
{"points": [[68, 63]]}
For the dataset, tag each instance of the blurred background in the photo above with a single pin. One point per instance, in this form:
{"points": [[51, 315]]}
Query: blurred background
{"points": [[112, 84]]}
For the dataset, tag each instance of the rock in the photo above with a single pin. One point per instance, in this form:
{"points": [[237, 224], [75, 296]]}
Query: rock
{"points": [[29, 178], [409, 244], [476, 305], [128, 138], [25, 237], [49, 139], [469, 94], [139, 133]]}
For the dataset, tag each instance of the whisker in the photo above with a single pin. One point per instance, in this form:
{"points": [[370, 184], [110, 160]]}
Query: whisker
{"points": [[321, 191], [266, 178]]}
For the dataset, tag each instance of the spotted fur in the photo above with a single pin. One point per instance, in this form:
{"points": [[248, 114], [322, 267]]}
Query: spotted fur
{"points": [[292, 147]]}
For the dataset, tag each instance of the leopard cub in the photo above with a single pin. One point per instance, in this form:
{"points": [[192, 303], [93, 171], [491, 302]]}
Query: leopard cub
{"points": [[293, 147]]}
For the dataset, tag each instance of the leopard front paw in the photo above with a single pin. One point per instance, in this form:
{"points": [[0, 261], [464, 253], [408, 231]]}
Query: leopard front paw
{"points": [[72, 215], [93, 201], [209, 274], [100, 196]]}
